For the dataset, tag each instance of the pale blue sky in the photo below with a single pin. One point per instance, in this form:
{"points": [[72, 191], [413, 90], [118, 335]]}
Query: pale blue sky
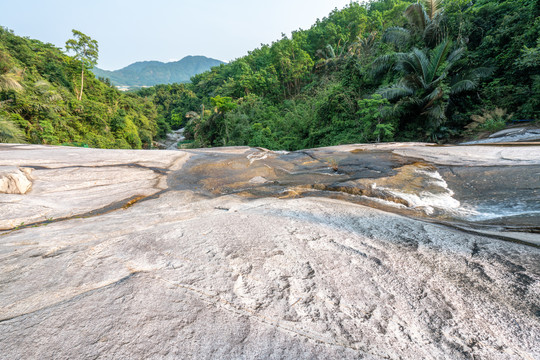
{"points": [[164, 30]]}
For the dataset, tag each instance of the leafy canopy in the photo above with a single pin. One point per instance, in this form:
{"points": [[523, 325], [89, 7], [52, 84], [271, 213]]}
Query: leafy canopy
{"points": [[84, 47]]}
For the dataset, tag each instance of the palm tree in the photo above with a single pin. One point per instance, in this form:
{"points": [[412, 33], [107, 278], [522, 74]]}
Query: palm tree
{"points": [[425, 87], [365, 45], [331, 55], [195, 126], [425, 21]]}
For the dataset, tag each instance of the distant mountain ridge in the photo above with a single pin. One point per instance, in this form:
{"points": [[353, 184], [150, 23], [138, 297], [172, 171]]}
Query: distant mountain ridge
{"points": [[150, 73]]}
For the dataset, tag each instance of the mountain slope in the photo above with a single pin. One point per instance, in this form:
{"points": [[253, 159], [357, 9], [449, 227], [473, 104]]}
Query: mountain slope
{"points": [[149, 73]]}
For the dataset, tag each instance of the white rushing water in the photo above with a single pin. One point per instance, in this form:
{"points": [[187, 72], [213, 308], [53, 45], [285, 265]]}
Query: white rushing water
{"points": [[494, 210], [440, 198], [173, 138]]}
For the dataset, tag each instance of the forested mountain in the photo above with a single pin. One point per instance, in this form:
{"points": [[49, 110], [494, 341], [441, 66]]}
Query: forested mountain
{"points": [[41, 101], [380, 71], [148, 73]]}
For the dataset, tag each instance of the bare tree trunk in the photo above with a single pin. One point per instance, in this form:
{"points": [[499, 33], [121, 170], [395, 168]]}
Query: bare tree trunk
{"points": [[82, 81], [379, 134]]}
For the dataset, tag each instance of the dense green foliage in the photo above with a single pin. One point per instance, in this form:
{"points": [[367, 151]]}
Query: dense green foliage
{"points": [[382, 71], [387, 70], [40, 88], [149, 73]]}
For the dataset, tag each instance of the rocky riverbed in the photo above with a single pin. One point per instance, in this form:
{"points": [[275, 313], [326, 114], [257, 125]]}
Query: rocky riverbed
{"points": [[376, 252], [171, 140]]}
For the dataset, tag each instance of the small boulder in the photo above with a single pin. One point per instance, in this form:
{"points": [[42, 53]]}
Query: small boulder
{"points": [[258, 180], [14, 180]]}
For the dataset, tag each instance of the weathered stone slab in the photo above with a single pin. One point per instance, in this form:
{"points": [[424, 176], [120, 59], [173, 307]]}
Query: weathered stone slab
{"points": [[187, 274], [71, 182]]}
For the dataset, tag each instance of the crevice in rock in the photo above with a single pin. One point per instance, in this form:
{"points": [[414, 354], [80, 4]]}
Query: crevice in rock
{"points": [[158, 170], [117, 205], [74, 298]]}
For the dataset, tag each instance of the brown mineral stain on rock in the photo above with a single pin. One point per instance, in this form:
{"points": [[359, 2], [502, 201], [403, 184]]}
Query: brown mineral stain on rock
{"points": [[365, 175], [133, 201], [382, 177]]}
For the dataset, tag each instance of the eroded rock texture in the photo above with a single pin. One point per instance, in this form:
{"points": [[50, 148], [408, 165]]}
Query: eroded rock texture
{"points": [[14, 180], [117, 259]]}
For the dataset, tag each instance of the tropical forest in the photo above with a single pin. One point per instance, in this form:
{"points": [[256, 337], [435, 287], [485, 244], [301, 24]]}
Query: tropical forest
{"points": [[386, 70]]}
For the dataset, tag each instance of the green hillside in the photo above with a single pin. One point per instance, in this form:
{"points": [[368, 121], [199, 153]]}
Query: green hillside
{"points": [[388, 70], [39, 89], [149, 73]]}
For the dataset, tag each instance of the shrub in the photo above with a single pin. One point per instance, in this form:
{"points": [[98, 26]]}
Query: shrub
{"points": [[490, 120]]}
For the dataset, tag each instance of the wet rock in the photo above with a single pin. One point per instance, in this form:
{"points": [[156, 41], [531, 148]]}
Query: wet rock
{"points": [[510, 135]]}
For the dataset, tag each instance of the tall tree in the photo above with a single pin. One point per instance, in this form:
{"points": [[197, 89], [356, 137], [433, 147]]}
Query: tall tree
{"points": [[86, 50]]}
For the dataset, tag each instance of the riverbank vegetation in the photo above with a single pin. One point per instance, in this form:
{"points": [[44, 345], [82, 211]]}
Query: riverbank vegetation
{"points": [[388, 70]]}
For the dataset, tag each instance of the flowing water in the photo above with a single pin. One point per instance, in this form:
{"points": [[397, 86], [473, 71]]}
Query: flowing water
{"points": [[171, 140], [519, 134], [507, 195]]}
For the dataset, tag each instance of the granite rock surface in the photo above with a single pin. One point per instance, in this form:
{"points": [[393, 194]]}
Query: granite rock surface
{"points": [[109, 256]]}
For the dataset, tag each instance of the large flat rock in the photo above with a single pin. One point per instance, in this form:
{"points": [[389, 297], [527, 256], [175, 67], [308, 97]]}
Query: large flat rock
{"points": [[134, 260], [68, 182]]}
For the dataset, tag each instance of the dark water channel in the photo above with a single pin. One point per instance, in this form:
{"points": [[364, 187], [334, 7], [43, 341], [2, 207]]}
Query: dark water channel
{"points": [[502, 195]]}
